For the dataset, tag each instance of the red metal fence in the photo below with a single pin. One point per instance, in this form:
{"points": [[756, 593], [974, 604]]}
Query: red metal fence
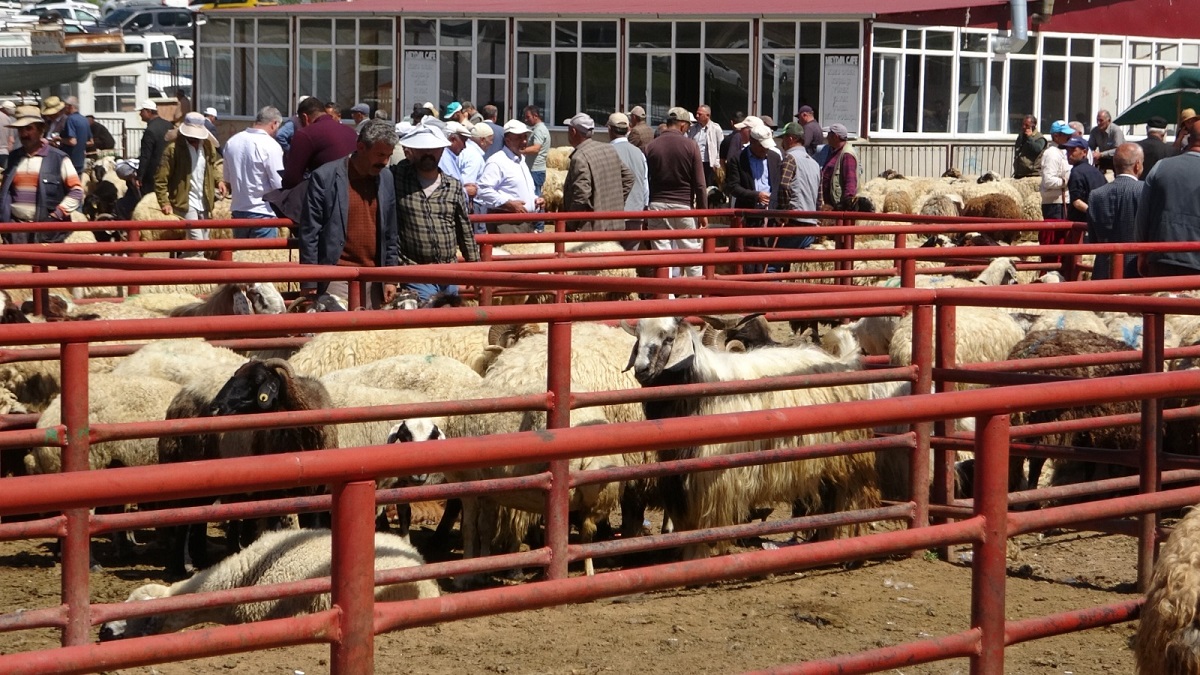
{"points": [[355, 618]]}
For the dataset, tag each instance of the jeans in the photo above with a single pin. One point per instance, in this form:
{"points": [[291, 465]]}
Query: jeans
{"points": [[539, 179], [426, 291], [254, 232]]}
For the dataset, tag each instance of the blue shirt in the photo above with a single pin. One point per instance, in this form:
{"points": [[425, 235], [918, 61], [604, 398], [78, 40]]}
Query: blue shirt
{"points": [[77, 127]]}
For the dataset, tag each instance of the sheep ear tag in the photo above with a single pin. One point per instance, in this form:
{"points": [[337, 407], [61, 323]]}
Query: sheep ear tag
{"points": [[267, 392]]}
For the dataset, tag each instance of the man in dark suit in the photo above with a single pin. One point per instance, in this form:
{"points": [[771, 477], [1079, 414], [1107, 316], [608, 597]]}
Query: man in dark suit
{"points": [[1154, 147], [596, 179], [350, 214], [1112, 209], [154, 142], [753, 180]]}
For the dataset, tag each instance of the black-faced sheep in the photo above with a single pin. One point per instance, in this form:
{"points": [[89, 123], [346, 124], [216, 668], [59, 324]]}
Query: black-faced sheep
{"points": [[272, 386], [1168, 634], [669, 352], [276, 557]]}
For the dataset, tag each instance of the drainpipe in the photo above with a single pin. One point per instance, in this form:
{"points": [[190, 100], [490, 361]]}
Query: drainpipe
{"points": [[1020, 24]]}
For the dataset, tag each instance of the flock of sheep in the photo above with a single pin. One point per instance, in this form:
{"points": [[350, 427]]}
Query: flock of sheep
{"points": [[175, 379]]}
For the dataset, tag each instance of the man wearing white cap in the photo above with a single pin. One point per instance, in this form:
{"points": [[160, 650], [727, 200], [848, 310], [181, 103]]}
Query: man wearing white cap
{"points": [[189, 176], [676, 184], [431, 208], [7, 110], [506, 186], [752, 180], [350, 215], [154, 141], [596, 179], [469, 157], [210, 123], [740, 137], [40, 184]]}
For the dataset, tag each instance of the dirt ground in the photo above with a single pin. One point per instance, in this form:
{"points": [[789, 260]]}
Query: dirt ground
{"points": [[727, 627]]}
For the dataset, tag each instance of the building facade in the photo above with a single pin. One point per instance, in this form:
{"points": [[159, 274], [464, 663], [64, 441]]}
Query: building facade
{"points": [[940, 69]]}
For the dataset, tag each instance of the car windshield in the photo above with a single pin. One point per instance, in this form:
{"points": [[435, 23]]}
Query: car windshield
{"points": [[117, 17]]}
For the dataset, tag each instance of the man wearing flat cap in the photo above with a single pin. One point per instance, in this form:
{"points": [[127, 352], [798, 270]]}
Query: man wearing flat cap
{"points": [[640, 133], [350, 215], [360, 113], [1154, 147], [431, 208], [40, 184], [813, 136], [676, 184], [189, 176], [839, 173], [596, 179]]}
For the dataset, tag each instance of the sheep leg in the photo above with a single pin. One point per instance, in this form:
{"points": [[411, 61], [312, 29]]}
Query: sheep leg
{"points": [[441, 537], [633, 514]]}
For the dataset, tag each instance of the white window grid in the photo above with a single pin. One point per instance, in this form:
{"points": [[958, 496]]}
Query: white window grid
{"points": [[477, 75], [336, 89], [536, 88], [1141, 63], [784, 111]]}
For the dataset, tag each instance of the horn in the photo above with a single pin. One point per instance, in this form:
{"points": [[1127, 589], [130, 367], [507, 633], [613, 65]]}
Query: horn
{"points": [[281, 364], [496, 334], [628, 327]]}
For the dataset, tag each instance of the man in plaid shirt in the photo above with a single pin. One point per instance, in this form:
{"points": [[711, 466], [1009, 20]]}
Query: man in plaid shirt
{"points": [[431, 210]]}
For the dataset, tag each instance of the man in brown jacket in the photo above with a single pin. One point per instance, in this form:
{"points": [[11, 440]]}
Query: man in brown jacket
{"points": [[189, 176], [640, 133], [596, 178]]}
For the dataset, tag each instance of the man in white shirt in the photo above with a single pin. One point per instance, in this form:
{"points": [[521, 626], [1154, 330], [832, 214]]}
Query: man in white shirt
{"points": [[470, 157], [1055, 171], [254, 167], [708, 135], [506, 185]]}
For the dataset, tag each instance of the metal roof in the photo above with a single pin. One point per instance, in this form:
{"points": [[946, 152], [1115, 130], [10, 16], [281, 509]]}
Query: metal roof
{"points": [[630, 9], [21, 73]]}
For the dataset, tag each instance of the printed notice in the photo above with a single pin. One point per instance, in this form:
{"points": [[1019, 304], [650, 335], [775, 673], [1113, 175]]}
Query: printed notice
{"points": [[840, 95], [420, 78]]}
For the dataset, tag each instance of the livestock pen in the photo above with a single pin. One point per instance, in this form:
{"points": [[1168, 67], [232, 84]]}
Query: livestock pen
{"points": [[984, 522]]}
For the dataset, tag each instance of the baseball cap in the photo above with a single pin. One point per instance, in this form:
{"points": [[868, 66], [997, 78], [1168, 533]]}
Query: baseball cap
{"points": [[424, 138], [1076, 142], [804, 109], [839, 130], [481, 131], [210, 111], [751, 121], [763, 136], [452, 108], [618, 120], [149, 105], [8, 106], [1061, 127], [768, 120], [430, 107], [361, 108], [793, 129], [456, 128], [515, 127], [638, 111], [581, 121], [678, 114]]}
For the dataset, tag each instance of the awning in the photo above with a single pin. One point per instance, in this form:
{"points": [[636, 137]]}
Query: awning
{"points": [[632, 9], [23, 73]]}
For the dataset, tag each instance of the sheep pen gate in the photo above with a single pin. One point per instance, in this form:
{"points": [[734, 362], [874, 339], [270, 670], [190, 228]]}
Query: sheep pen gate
{"points": [[985, 522]]}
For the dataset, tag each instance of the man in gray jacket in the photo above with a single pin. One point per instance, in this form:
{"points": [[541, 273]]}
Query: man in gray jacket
{"points": [[350, 215], [799, 183]]}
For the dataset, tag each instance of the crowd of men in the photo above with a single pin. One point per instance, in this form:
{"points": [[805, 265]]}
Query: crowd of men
{"points": [[1154, 195]]}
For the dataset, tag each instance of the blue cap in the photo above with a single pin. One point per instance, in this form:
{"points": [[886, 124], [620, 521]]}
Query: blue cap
{"points": [[451, 108], [1076, 142], [1061, 127]]}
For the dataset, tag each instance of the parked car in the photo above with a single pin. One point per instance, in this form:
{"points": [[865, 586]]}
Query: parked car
{"points": [[113, 5], [81, 12], [170, 20]]}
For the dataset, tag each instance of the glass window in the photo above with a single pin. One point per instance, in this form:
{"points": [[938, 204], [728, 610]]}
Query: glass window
{"points": [[419, 32], [344, 33], [1052, 46], [972, 95], [533, 33], [779, 34], [841, 35], [726, 34], [243, 31], [939, 40], [455, 33], [810, 35], [1053, 90], [1142, 50], [600, 34], [1168, 51], [996, 97], [490, 48], [272, 32], [1083, 47], [272, 79], [687, 34], [1111, 49], [889, 37], [884, 94], [1191, 55], [115, 93], [912, 39], [937, 81], [1079, 101], [375, 32], [216, 30], [648, 34], [375, 78], [318, 32], [975, 42], [566, 34]]}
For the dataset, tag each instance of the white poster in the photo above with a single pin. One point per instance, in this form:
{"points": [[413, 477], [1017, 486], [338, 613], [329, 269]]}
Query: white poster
{"points": [[420, 79], [840, 95]]}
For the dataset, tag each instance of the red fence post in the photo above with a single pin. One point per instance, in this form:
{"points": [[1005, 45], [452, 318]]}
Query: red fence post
{"points": [[558, 384], [918, 463], [353, 572], [988, 571], [945, 339], [486, 292], [75, 546], [737, 244], [1151, 441], [710, 246], [354, 295]]}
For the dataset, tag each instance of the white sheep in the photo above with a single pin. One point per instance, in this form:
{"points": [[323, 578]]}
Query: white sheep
{"points": [[1071, 320], [1128, 329], [178, 361], [328, 352], [669, 352], [276, 557], [1168, 634], [111, 399]]}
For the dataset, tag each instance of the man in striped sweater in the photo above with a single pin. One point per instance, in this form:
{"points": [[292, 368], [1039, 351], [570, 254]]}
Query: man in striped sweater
{"points": [[40, 183]]}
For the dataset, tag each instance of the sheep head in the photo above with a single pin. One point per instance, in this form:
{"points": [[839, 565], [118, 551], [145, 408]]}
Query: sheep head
{"points": [[416, 430], [663, 345], [137, 626], [254, 387], [264, 298]]}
